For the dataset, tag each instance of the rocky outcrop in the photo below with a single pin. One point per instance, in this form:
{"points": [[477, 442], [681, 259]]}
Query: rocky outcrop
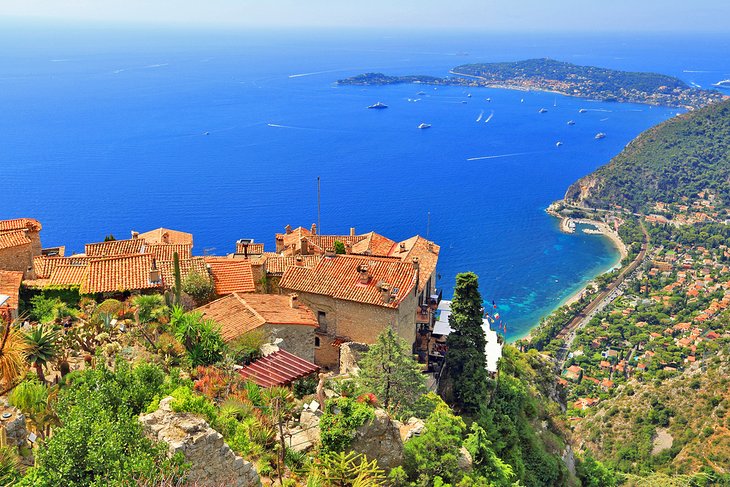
{"points": [[380, 439], [412, 427], [212, 461], [581, 190], [12, 422], [350, 355]]}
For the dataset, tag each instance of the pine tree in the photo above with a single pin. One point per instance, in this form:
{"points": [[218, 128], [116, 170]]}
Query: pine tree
{"points": [[389, 371], [465, 360]]}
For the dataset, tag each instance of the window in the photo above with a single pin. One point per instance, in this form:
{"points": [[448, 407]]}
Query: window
{"points": [[316, 342], [322, 320]]}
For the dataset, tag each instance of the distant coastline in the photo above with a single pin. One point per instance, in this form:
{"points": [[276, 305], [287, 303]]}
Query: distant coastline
{"points": [[563, 78]]}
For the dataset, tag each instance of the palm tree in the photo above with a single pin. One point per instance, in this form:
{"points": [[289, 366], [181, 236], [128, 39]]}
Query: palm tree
{"points": [[13, 350], [42, 348], [150, 307]]}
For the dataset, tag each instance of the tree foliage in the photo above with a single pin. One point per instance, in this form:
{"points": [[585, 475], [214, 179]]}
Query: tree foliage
{"points": [[465, 360], [201, 337], [388, 370]]}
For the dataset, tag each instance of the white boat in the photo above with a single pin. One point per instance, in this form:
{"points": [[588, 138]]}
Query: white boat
{"points": [[522, 100], [582, 110], [424, 126], [542, 110], [558, 144], [571, 122], [379, 106], [600, 135], [489, 99]]}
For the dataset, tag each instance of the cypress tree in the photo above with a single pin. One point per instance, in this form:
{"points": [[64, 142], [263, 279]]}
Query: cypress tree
{"points": [[465, 360]]}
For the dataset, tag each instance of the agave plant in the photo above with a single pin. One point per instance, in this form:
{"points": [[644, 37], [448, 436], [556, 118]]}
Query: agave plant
{"points": [[13, 351], [42, 348]]}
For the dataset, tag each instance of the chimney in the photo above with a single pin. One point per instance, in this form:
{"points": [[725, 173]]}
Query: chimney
{"points": [[304, 246], [430, 246], [348, 247], [135, 235], [385, 292], [154, 273], [352, 231], [417, 268], [287, 229], [402, 246], [329, 252], [364, 272], [294, 300], [299, 261], [416, 264], [314, 229]]}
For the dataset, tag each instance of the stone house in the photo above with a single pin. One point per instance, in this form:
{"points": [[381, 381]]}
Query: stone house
{"points": [[9, 292], [283, 319], [20, 241], [354, 298]]}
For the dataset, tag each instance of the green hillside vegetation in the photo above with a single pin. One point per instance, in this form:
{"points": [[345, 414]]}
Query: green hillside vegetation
{"points": [[678, 426], [673, 161]]}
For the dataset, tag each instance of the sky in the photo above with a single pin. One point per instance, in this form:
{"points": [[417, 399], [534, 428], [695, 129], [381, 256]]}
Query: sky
{"points": [[495, 15]]}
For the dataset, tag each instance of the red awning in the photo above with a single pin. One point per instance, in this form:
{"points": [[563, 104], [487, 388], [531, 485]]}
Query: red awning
{"points": [[278, 369]]}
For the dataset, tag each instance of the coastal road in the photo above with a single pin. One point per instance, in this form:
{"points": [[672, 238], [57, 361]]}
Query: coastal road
{"points": [[603, 299]]}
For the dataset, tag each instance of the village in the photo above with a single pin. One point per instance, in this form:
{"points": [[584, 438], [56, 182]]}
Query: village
{"points": [[671, 314]]}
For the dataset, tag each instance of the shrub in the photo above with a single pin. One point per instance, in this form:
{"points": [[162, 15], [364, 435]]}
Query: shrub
{"points": [[341, 418]]}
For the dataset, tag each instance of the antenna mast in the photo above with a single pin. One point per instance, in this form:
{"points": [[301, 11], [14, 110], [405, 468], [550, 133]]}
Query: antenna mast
{"points": [[428, 224], [319, 208]]}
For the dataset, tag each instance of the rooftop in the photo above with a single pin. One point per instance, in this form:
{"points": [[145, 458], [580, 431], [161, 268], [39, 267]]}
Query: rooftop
{"points": [[20, 224], [167, 236], [278, 369], [166, 251], [115, 247], [10, 286], [231, 275], [14, 238], [192, 265], [238, 314], [342, 277], [120, 273]]}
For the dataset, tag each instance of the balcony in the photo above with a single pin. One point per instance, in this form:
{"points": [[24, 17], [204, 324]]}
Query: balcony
{"points": [[435, 298]]}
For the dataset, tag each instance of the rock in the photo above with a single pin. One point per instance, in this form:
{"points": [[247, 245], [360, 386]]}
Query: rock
{"points": [[309, 423], [569, 459], [16, 433], [413, 427], [379, 439], [212, 461], [466, 463], [350, 355]]}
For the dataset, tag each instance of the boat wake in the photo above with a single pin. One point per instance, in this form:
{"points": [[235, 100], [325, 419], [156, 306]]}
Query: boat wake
{"points": [[279, 126], [695, 71], [603, 119], [598, 110], [481, 114], [499, 156], [489, 117]]}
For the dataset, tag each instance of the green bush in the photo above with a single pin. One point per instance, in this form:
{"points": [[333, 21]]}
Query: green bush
{"points": [[341, 418]]}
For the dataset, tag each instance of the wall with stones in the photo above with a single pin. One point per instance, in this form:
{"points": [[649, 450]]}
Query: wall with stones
{"points": [[296, 339], [212, 461], [19, 258], [13, 427]]}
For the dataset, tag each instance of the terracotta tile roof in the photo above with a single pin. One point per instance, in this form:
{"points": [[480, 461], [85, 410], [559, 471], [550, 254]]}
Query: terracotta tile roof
{"points": [[10, 286], [278, 264], [426, 251], [320, 243], [20, 224], [187, 267], [374, 244], [166, 236], [253, 248], [120, 273], [231, 275], [278, 369], [14, 239], [339, 278], [44, 265], [238, 314], [115, 247], [68, 275], [166, 251]]}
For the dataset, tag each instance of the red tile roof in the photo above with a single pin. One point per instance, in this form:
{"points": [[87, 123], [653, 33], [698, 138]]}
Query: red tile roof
{"points": [[238, 314], [231, 275], [44, 265], [20, 224], [166, 236], [120, 273], [338, 277], [115, 247], [166, 251], [68, 275], [277, 265], [14, 239], [373, 244], [10, 286], [278, 369], [426, 251], [189, 266], [250, 249]]}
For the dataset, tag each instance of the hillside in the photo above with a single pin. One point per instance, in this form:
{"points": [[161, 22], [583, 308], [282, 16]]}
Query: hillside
{"points": [[676, 426], [670, 163]]}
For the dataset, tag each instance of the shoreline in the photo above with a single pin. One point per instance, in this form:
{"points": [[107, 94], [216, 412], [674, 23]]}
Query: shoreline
{"points": [[602, 229]]}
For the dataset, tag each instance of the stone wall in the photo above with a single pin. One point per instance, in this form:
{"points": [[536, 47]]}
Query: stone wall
{"points": [[19, 258], [296, 339], [360, 322], [212, 461], [13, 428]]}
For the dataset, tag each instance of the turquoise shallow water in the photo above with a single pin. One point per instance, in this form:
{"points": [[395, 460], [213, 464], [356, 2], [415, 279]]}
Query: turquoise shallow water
{"points": [[104, 131]]}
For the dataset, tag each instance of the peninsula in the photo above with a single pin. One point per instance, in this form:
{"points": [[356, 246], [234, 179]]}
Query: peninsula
{"points": [[564, 78]]}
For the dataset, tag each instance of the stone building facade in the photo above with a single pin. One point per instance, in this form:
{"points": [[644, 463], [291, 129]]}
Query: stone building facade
{"points": [[20, 241]]}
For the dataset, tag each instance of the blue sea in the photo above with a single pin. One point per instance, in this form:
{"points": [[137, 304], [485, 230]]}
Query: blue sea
{"points": [[221, 133]]}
